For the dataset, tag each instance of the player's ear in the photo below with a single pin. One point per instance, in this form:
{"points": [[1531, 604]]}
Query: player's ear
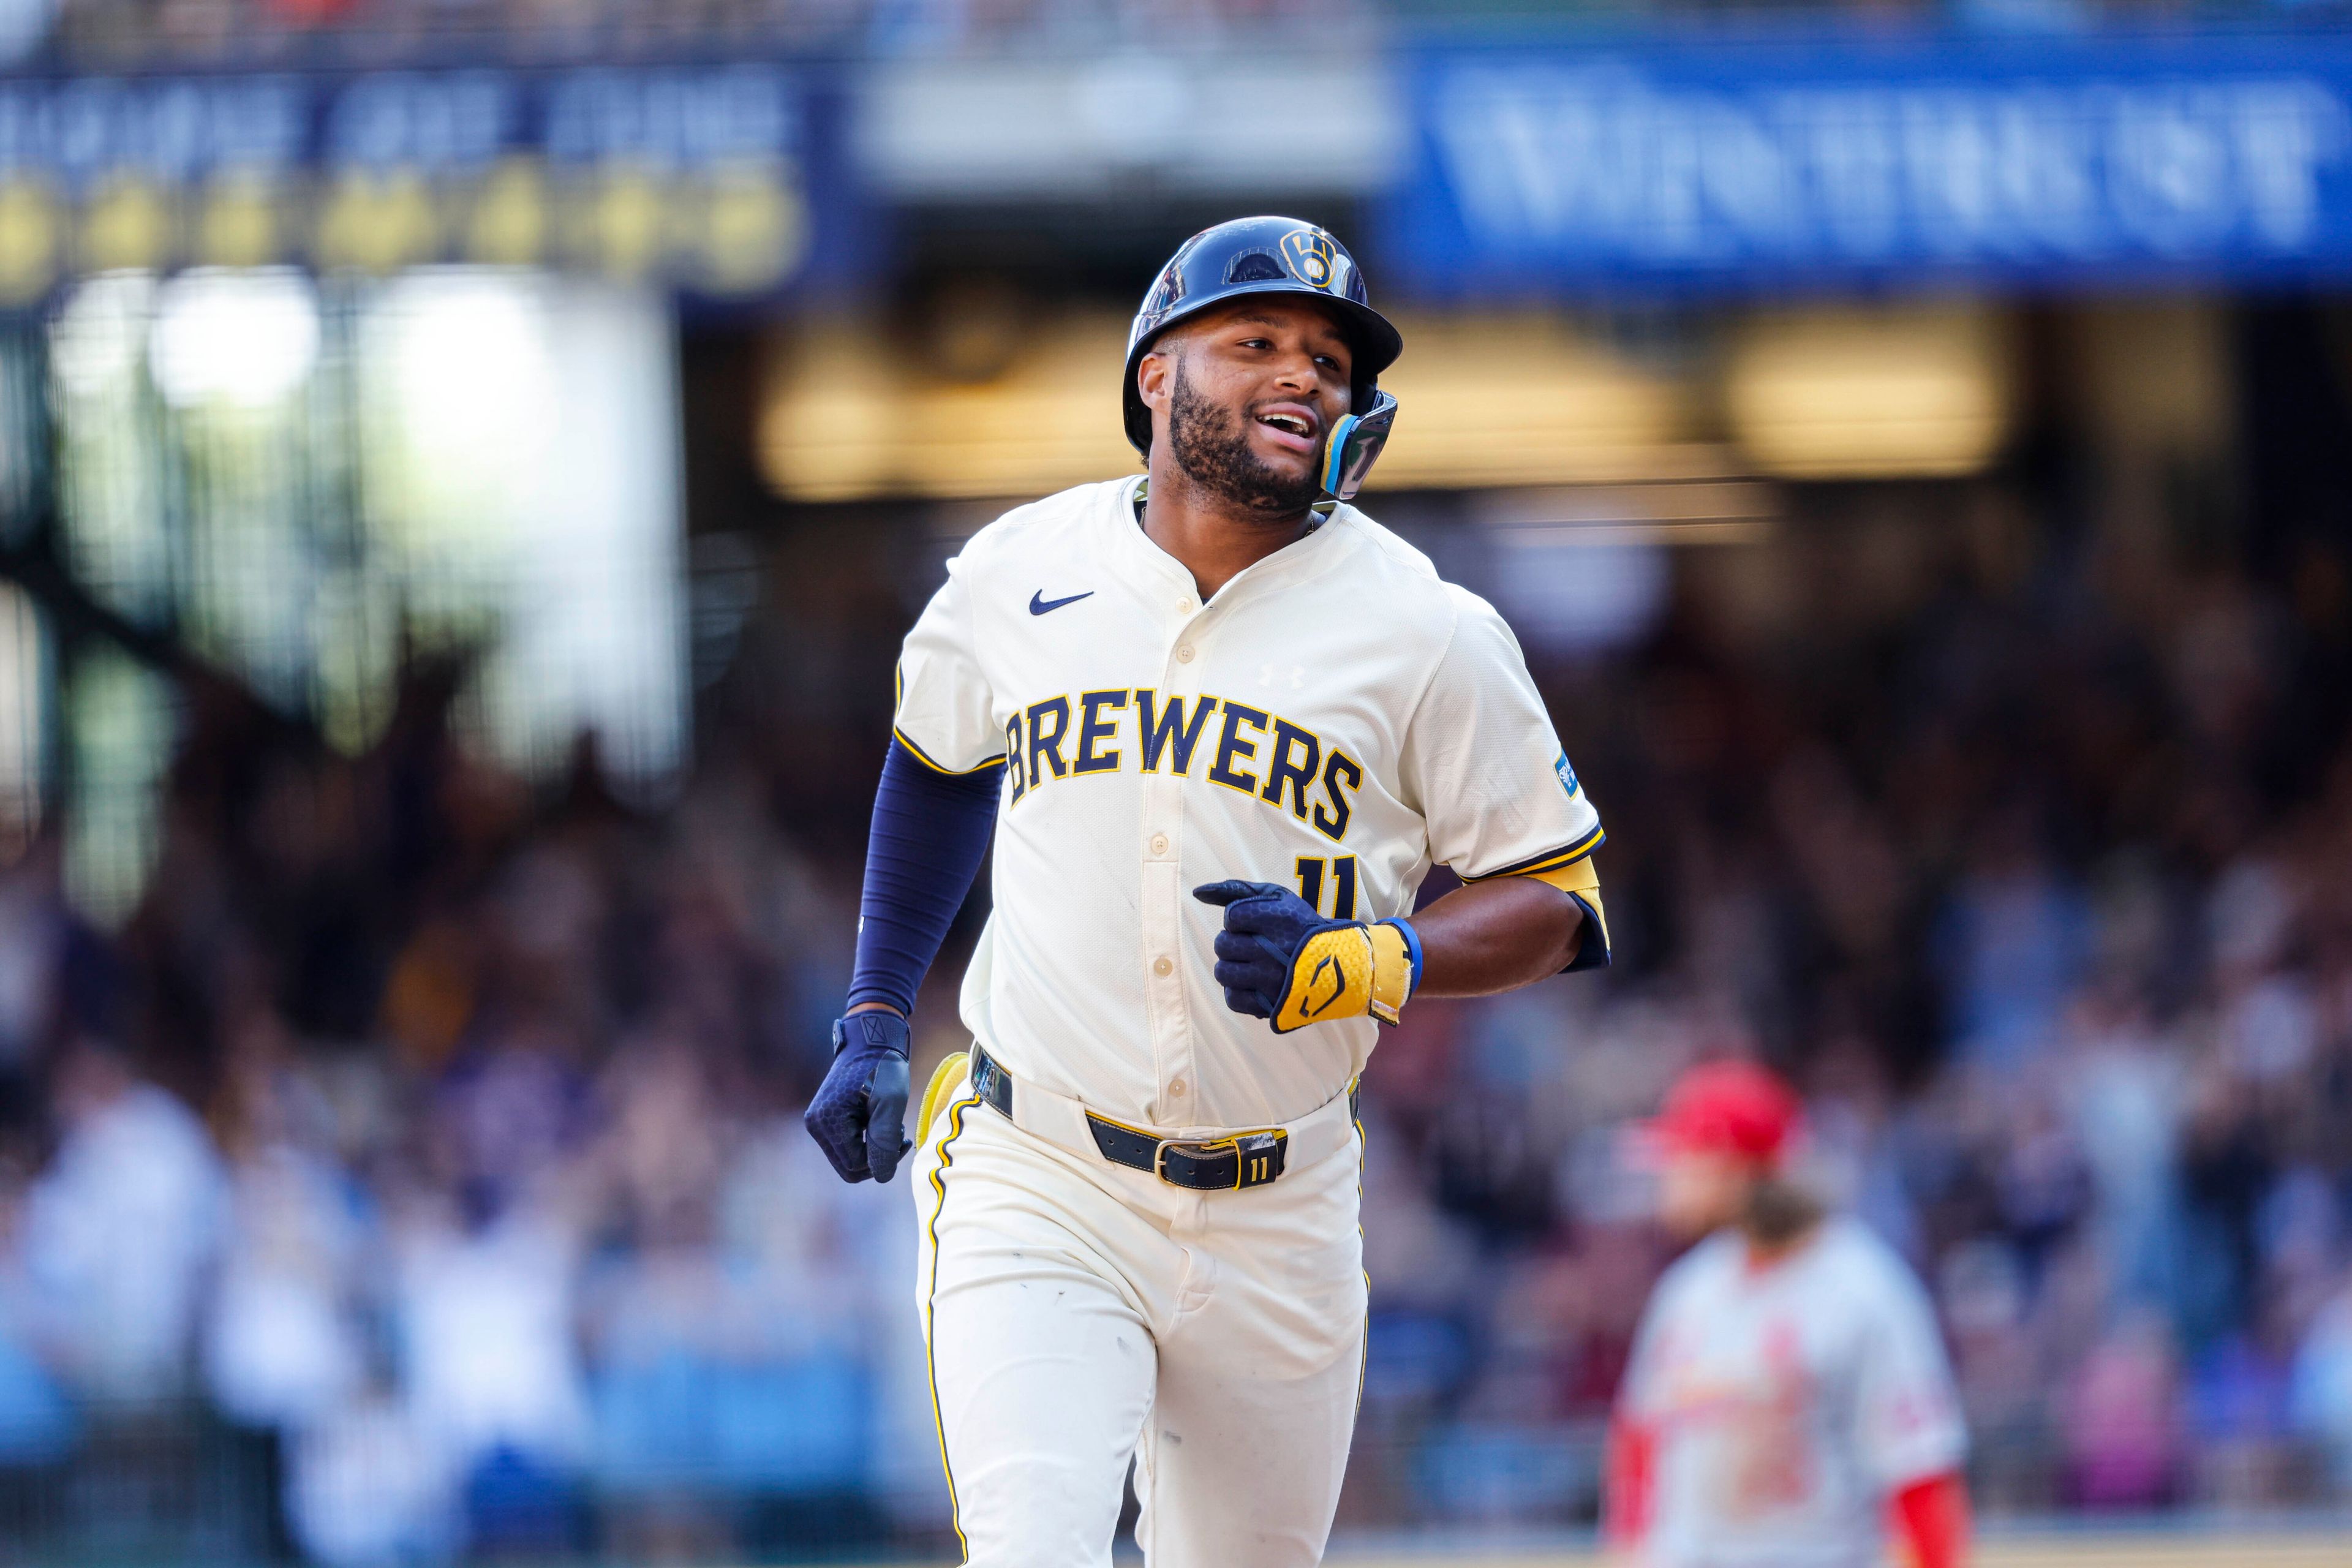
{"points": [[1155, 376]]}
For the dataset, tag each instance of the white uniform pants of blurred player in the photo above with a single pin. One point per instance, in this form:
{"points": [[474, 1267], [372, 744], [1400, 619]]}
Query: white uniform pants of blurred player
{"points": [[1080, 1313]]}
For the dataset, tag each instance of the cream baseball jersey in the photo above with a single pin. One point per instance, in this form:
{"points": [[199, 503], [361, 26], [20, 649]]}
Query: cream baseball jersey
{"points": [[1788, 1403], [1337, 719]]}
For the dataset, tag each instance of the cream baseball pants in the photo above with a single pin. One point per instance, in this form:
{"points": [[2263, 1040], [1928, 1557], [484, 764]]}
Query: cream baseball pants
{"points": [[1080, 1314]]}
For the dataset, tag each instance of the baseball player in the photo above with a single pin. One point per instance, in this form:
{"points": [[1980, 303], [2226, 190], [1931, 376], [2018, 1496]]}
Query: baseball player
{"points": [[1221, 724], [1788, 1392]]}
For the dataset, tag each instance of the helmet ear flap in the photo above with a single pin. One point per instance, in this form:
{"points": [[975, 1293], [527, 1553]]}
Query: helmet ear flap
{"points": [[1356, 443]]}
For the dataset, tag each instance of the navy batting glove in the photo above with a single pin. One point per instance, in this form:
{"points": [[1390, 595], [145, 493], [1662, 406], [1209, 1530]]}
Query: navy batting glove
{"points": [[859, 1115], [1280, 961], [1265, 925]]}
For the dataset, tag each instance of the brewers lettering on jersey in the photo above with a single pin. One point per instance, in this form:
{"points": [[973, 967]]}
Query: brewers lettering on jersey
{"points": [[1218, 725]]}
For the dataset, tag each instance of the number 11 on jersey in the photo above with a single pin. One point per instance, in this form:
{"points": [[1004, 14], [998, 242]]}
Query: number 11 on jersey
{"points": [[1342, 877]]}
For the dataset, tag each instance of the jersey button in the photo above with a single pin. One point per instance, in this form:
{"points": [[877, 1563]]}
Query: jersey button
{"points": [[1176, 1087], [1160, 844], [1184, 654], [1163, 965]]}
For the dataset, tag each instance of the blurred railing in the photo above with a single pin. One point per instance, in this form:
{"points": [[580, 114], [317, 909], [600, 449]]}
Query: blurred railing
{"points": [[178, 1485], [152, 1485]]}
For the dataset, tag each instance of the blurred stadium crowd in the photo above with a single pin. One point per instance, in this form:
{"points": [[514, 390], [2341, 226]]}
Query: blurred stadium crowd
{"points": [[555, 1221], [2025, 850], [419, 1170]]}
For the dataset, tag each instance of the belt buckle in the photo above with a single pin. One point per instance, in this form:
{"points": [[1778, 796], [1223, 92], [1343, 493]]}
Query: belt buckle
{"points": [[1259, 1158]]}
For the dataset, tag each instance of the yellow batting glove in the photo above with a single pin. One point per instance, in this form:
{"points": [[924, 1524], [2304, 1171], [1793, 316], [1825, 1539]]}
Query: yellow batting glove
{"points": [[1277, 959]]}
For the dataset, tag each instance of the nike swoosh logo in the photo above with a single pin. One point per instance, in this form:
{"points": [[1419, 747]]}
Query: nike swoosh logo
{"points": [[1039, 603]]}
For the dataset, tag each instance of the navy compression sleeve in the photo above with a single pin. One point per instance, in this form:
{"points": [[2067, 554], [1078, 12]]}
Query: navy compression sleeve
{"points": [[929, 832]]}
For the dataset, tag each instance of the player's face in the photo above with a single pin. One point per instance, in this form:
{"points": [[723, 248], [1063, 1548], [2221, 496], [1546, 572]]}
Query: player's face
{"points": [[1246, 398], [1701, 1191]]}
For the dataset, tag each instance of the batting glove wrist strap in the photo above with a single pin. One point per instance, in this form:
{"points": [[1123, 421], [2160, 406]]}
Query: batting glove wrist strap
{"points": [[1411, 978], [1277, 959]]}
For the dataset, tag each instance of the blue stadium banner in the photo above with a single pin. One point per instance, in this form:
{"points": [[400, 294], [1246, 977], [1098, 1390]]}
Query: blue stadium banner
{"points": [[1711, 166], [717, 180]]}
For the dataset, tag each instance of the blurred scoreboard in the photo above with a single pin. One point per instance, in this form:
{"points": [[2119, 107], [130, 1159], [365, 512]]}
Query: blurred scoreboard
{"points": [[712, 180]]}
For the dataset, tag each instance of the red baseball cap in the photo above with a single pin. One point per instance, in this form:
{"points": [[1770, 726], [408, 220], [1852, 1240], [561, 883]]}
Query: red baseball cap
{"points": [[1728, 1106]]}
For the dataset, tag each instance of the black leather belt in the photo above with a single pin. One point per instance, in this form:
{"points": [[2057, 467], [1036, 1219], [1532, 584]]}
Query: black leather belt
{"points": [[1222, 1166]]}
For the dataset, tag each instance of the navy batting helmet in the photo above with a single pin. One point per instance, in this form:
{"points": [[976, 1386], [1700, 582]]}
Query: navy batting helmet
{"points": [[1275, 256]]}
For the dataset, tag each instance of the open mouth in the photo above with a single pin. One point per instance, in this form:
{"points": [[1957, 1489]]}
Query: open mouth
{"points": [[1291, 429]]}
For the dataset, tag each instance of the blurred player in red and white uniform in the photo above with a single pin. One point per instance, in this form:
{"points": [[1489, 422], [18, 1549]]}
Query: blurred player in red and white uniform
{"points": [[1788, 1403]]}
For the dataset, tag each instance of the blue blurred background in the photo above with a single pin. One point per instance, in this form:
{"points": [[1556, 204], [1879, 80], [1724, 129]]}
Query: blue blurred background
{"points": [[466, 467]]}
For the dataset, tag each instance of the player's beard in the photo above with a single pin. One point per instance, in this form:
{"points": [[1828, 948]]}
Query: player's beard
{"points": [[1211, 448]]}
